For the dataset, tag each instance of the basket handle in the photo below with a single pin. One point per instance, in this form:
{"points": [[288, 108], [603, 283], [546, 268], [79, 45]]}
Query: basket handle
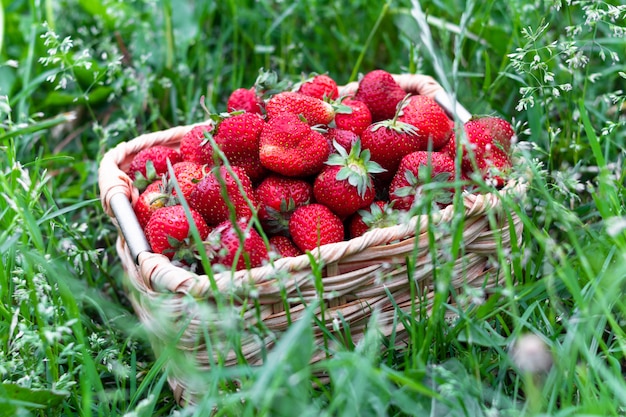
{"points": [[130, 228], [117, 191], [452, 107]]}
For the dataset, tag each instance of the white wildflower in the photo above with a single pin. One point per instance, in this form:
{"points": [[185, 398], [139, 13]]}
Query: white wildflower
{"points": [[615, 225], [530, 354]]}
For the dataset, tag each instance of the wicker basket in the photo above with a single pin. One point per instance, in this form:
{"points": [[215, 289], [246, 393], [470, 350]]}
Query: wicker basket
{"points": [[358, 274]]}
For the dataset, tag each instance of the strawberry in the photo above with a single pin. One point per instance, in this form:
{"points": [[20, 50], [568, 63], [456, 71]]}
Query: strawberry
{"points": [[224, 245], [430, 120], [208, 200], [290, 147], [245, 99], [381, 93], [378, 214], [284, 247], [168, 232], [313, 110], [346, 185], [417, 169], [314, 225], [320, 86], [345, 138], [187, 175], [389, 141], [193, 145], [450, 146], [162, 192], [357, 119], [489, 139], [278, 197], [151, 199], [237, 135], [150, 163]]}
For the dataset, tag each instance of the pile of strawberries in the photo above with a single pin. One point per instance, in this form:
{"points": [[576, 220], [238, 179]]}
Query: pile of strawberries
{"points": [[303, 167]]}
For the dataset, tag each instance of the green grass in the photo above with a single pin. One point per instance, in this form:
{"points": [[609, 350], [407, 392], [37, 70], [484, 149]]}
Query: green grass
{"points": [[77, 77]]}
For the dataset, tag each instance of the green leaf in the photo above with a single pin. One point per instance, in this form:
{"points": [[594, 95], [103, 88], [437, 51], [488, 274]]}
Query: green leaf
{"points": [[342, 109], [62, 98], [287, 366], [14, 396], [482, 334]]}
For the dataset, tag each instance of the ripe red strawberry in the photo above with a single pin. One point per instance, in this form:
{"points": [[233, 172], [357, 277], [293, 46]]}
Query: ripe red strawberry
{"points": [[278, 197], [430, 120], [378, 214], [357, 119], [150, 200], [237, 136], [346, 184], [450, 146], [162, 192], [381, 93], [345, 138], [187, 175], [284, 246], [489, 139], [150, 163], [388, 142], [290, 147], [245, 99], [320, 86], [193, 145], [417, 169], [168, 232], [314, 110], [314, 225], [207, 197], [224, 245]]}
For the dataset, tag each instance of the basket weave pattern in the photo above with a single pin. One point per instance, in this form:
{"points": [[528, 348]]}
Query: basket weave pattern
{"points": [[357, 274]]}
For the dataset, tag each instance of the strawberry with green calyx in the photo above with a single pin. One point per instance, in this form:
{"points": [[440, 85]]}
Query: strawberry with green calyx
{"points": [[354, 115], [245, 99], [378, 214], [311, 109], [345, 138], [215, 203], [192, 145], [381, 93], [290, 147], [155, 196], [314, 225], [284, 247], [162, 192], [252, 100], [488, 150], [150, 163], [278, 197], [237, 135], [238, 245], [169, 232], [187, 174], [268, 83], [416, 170], [389, 141], [431, 122], [320, 86], [345, 184]]}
